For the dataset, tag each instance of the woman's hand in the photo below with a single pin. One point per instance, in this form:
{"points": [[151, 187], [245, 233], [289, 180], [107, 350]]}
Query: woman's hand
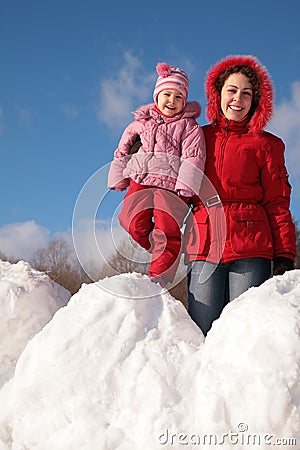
{"points": [[282, 264]]}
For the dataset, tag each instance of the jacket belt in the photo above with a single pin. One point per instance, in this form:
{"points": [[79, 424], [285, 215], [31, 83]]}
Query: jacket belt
{"points": [[216, 200]]}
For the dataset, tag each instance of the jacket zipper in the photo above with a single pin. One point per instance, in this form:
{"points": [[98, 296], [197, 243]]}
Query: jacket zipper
{"points": [[222, 149], [219, 214]]}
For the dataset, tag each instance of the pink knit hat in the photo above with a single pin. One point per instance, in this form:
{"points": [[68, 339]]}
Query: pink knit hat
{"points": [[171, 77]]}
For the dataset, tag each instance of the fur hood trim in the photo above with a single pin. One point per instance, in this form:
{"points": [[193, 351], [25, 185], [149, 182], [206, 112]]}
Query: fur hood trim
{"points": [[263, 112]]}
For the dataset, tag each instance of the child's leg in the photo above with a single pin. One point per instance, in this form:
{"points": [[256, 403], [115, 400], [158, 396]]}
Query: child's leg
{"points": [[137, 212], [169, 213]]}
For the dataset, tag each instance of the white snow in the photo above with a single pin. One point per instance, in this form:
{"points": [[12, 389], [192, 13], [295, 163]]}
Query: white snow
{"points": [[122, 367], [28, 300]]}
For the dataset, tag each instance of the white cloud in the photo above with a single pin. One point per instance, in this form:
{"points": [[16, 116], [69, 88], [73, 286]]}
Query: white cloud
{"points": [[95, 242], [285, 124], [26, 115], [21, 240], [70, 111], [120, 94]]}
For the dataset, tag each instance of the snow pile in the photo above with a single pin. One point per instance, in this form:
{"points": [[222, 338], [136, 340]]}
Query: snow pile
{"points": [[250, 363], [123, 367], [28, 300]]}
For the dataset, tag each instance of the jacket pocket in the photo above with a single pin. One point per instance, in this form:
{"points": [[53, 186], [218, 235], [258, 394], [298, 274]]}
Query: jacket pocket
{"points": [[250, 231], [137, 166], [197, 234]]}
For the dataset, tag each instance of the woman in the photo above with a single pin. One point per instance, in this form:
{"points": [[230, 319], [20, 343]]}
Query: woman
{"points": [[246, 166]]}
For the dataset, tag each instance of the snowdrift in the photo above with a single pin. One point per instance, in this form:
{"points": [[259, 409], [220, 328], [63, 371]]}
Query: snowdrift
{"points": [[28, 300], [122, 367]]}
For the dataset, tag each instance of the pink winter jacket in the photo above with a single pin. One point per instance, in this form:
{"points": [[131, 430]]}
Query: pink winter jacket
{"points": [[172, 155]]}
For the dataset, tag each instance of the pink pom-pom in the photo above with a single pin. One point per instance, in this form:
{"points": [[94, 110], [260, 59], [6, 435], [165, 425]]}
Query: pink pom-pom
{"points": [[163, 69]]}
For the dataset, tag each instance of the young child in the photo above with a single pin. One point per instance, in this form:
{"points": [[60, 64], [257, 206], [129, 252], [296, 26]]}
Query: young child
{"points": [[163, 173]]}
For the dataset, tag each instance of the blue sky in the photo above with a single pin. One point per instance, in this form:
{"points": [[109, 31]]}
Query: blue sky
{"points": [[72, 72]]}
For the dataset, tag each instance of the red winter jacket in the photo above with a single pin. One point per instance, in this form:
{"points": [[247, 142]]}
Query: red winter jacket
{"points": [[246, 166]]}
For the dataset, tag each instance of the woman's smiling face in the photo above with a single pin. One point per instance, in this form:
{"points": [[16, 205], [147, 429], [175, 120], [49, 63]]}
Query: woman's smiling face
{"points": [[236, 97]]}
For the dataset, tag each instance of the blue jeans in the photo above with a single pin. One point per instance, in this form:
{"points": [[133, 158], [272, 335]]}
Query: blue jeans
{"points": [[212, 286]]}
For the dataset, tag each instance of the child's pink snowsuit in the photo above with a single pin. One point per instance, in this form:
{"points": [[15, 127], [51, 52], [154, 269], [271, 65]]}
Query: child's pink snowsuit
{"points": [[171, 158]]}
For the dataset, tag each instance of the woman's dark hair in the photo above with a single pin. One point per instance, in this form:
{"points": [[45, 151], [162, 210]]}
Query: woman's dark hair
{"points": [[252, 77]]}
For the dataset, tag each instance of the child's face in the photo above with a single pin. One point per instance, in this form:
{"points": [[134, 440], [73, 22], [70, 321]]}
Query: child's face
{"points": [[170, 102]]}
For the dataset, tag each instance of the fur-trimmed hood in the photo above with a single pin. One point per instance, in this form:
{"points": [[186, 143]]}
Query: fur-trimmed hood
{"points": [[263, 112]]}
